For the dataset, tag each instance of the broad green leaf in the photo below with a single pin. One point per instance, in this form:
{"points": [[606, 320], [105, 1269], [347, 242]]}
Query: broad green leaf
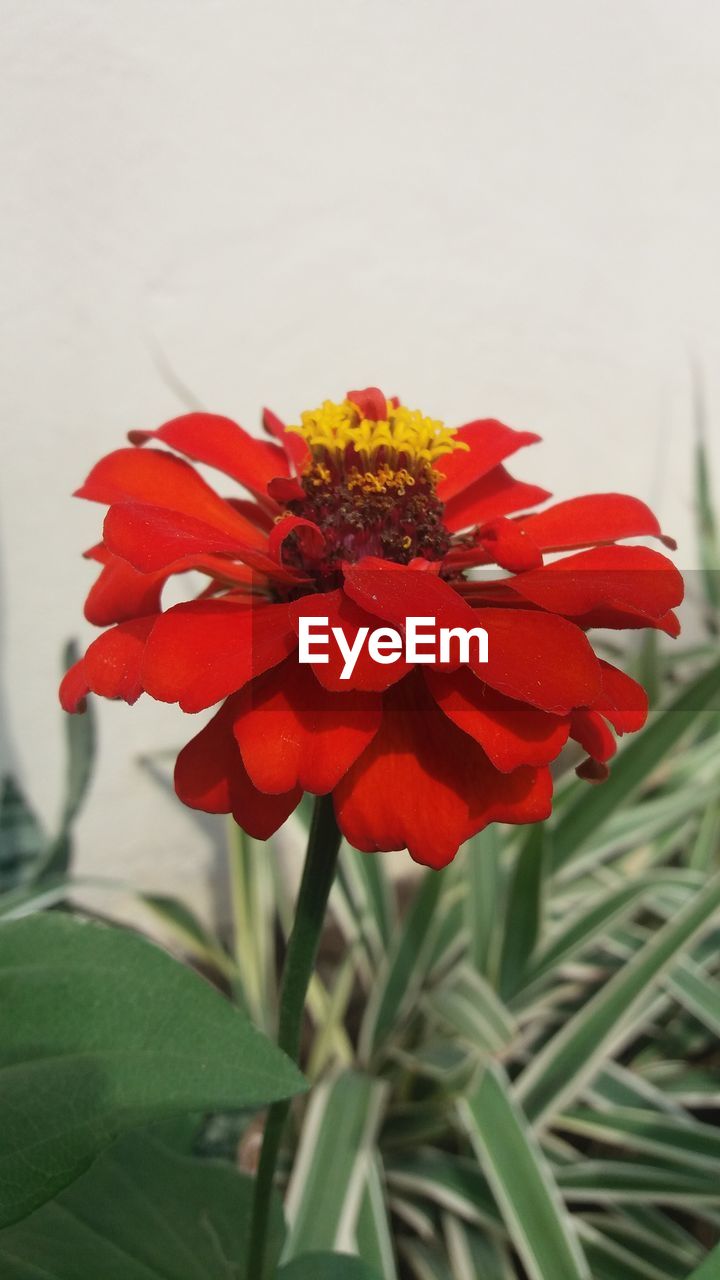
{"points": [[572, 1056], [100, 1032], [397, 986], [537, 1221], [328, 1178], [710, 1268], [142, 1212], [190, 934], [327, 1266], [594, 805], [23, 843]]}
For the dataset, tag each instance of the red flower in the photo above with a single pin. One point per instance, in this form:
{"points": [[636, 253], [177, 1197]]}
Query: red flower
{"points": [[367, 514]]}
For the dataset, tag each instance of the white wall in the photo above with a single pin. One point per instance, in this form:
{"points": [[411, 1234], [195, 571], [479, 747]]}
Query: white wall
{"points": [[508, 209]]}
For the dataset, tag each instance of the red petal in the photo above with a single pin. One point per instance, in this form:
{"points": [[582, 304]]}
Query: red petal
{"points": [[151, 477], [310, 537], [634, 578], [591, 520], [342, 612], [424, 785], [402, 791], [74, 688], [295, 447], [292, 732], [371, 402], [395, 592], [534, 660], [623, 701], [154, 539], [530, 657], [590, 730], [490, 443], [510, 732], [200, 652], [507, 544], [113, 661], [223, 444], [120, 591], [210, 775], [495, 494]]}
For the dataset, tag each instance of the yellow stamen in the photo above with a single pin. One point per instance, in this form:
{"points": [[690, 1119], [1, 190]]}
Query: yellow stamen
{"points": [[392, 452]]}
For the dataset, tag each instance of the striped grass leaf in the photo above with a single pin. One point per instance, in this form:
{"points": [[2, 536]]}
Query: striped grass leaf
{"points": [[610, 1260], [483, 878], [523, 914], [330, 1170], [593, 806], [573, 1055], [648, 1240], [23, 843], [368, 891], [588, 924], [468, 1007], [401, 975], [631, 1182], [454, 1184], [374, 1237], [698, 994], [678, 1140], [251, 897], [705, 850], [425, 1261], [521, 1180], [472, 1254]]}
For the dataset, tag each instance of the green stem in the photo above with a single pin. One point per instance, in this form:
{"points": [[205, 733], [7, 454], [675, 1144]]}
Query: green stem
{"points": [[317, 880]]}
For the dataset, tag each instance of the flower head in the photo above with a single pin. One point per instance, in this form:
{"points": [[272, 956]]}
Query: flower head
{"points": [[365, 514]]}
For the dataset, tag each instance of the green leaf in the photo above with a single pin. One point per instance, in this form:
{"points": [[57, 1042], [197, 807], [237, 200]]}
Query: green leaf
{"points": [[80, 745], [523, 913], [142, 1212], [338, 1134], [537, 1221], [710, 1269], [23, 843], [398, 985], [482, 872], [99, 1032], [572, 1056], [593, 806], [327, 1266], [623, 1182], [374, 1236]]}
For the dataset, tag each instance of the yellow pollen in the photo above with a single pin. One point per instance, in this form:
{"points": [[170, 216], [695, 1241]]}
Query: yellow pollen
{"points": [[384, 455]]}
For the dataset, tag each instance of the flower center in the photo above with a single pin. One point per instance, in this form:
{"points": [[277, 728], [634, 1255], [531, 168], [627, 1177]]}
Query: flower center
{"points": [[370, 483], [373, 444]]}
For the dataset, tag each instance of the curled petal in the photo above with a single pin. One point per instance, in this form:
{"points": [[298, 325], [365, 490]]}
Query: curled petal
{"points": [[309, 535], [591, 731], [74, 688], [623, 701]]}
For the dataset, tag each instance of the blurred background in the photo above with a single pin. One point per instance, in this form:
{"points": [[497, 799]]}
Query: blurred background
{"points": [[491, 210]]}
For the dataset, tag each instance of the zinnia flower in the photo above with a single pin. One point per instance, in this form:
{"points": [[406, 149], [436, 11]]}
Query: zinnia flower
{"points": [[367, 513]]}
